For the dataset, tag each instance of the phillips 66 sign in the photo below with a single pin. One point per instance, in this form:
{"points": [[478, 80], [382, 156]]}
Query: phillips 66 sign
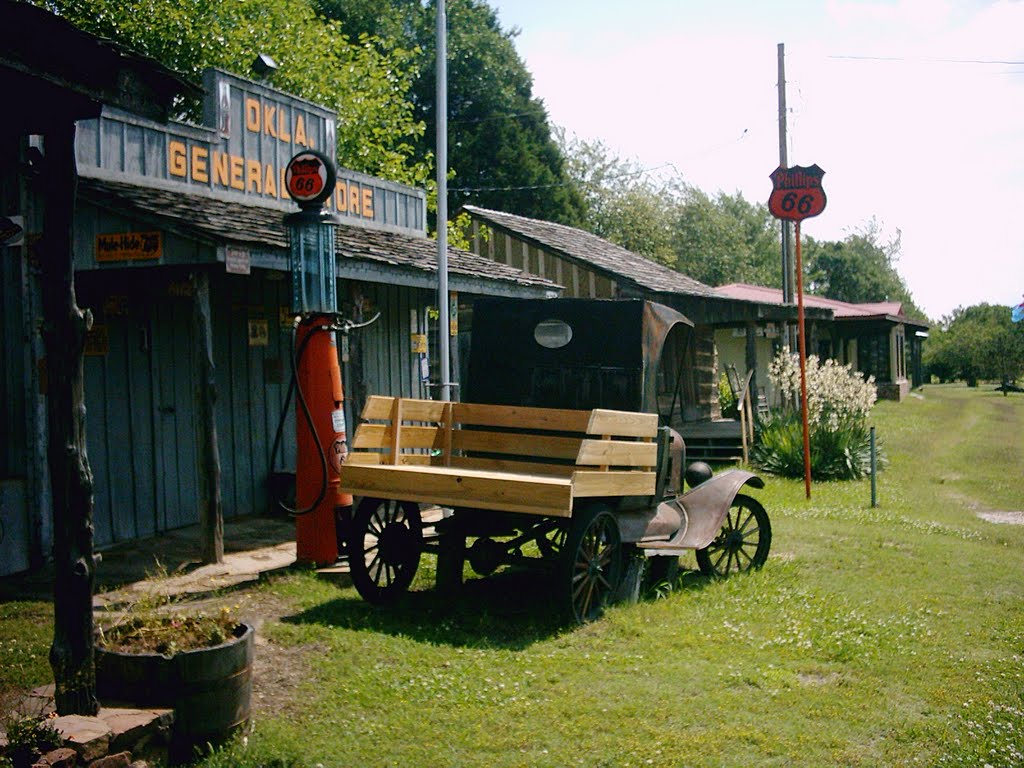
{"points": [[797, 193]]}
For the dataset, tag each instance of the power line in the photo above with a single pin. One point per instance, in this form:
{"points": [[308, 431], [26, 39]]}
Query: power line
{"points": [[929, 60]]}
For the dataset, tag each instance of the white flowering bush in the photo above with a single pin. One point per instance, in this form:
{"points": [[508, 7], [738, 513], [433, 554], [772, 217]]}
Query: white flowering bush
{"points": [[839, 401], [836, 394]]}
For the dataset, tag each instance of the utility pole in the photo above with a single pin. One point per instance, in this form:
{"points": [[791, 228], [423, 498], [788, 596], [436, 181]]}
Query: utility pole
{"points": [[441, 109], [788, 271]]}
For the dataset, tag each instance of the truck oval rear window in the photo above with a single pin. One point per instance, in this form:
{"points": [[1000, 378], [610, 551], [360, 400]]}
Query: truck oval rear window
{"points": [[553, 334]]}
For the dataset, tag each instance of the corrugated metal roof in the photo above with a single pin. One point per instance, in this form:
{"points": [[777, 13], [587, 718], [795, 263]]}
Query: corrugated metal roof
{"points": [[222, 221], [614, 260], [841, 310]]}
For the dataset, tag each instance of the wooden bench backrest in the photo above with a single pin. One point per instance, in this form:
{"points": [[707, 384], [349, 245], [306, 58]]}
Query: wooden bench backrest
{"points": [[504, 438]]}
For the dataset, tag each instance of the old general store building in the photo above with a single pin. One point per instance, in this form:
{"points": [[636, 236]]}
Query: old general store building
{"points": [[157, 204]]}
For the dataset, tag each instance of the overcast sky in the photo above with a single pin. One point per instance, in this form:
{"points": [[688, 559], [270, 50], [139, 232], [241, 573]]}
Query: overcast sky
{"points": [[914, 109]]}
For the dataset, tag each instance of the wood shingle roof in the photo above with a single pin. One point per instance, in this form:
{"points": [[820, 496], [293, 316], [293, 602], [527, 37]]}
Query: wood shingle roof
{"points": [[594, 252], [217, 220]]}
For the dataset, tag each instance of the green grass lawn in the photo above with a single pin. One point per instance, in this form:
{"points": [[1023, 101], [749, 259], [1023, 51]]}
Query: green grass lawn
{"points": [[873, 637]]}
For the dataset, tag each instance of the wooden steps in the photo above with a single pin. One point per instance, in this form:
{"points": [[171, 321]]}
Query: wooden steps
{"points": [[717, 441]]}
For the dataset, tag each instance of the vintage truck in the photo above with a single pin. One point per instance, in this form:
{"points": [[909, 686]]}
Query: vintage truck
{"points": [[562, 458]]}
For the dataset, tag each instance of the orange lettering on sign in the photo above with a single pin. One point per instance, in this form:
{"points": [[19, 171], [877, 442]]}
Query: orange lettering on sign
{"points": [[220, 169], [199, 169], [284, 187], [268, 119], [269, 186], [353, 200], [282, 127], [341, 203], [300, 131], [237, 170], [253, 176], [252, 115], [367, 203], [176, 162]]}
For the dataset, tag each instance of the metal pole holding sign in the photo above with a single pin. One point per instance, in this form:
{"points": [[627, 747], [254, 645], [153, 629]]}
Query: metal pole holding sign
{"points": [[797, 194]]}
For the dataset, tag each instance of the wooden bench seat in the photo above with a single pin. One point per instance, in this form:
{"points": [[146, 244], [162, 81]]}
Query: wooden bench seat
{"points": [[511, 458]]}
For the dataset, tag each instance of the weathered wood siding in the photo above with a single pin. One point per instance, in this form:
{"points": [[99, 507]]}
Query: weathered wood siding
{"points": [[383, 361], [140, 396], [578, 281]]}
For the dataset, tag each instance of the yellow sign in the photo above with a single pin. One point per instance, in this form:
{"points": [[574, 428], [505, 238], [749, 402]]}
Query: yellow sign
{"points": [[419, 343], [129, 246]]}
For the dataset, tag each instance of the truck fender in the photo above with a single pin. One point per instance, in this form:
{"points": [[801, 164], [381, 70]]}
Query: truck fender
{"points": [[707, 505]]}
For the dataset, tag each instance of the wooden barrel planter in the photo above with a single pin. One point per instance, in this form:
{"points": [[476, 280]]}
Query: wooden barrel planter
{"points": [[209, 689]]}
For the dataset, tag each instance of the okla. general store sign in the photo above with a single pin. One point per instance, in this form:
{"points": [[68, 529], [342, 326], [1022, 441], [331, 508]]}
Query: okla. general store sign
{"points": [[249, 133]]}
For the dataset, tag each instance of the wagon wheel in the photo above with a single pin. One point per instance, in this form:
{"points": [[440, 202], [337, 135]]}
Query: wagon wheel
{"points": [[384, 548], [591, 563], [552, 541], [743, 542]]}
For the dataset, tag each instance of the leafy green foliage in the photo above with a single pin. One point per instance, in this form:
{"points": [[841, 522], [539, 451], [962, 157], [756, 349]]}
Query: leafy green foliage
{"points": [[728, 403], [28, 738], [840, 453], [725, 239], [368, 87], [859, 269], [714, 240], [622, 203], [979, 342], [500, 147]]}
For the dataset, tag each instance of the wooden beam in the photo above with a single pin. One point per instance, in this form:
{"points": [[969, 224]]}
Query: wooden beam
{"points": [[534, 494], [622, 423], [617, 453], [211, 513]]}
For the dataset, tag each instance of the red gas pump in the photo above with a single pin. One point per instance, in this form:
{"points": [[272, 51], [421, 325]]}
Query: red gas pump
{"points": [[321, 509], [320, 443]]}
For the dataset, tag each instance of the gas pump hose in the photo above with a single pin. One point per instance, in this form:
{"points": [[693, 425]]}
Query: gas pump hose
{"points": [[294, 386]]}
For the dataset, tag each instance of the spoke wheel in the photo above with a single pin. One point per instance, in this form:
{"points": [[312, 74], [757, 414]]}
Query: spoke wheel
{"points": [[743, 542], [384, 548], [552, 542], [592, 562]]}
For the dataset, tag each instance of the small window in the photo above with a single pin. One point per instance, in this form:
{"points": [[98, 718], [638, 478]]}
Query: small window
{"points": [[552, 334]]}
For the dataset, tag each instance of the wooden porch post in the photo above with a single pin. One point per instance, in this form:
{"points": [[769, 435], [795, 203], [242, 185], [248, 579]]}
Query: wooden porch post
{"points": [[211, 514], [751, 357], [64, 330]]}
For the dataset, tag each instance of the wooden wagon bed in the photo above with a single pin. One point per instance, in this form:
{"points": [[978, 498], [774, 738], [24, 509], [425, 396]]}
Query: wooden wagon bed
{"points": [[509, 458]]}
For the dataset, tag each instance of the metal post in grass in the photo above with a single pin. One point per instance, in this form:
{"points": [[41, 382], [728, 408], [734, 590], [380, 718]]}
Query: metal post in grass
{"points": [[874, 471], [797, 194]]}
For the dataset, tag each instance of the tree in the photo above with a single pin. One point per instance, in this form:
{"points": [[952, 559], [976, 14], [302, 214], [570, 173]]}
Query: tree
{"points": [[621, 201], [367, 86], [726, 239], [860, 269], [979, 342], [500, 146]]}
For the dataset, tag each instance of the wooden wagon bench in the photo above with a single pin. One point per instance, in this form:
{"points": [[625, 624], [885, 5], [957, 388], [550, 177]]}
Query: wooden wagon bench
{"points": [[507, 458], [582, 495], [515, 476]]}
